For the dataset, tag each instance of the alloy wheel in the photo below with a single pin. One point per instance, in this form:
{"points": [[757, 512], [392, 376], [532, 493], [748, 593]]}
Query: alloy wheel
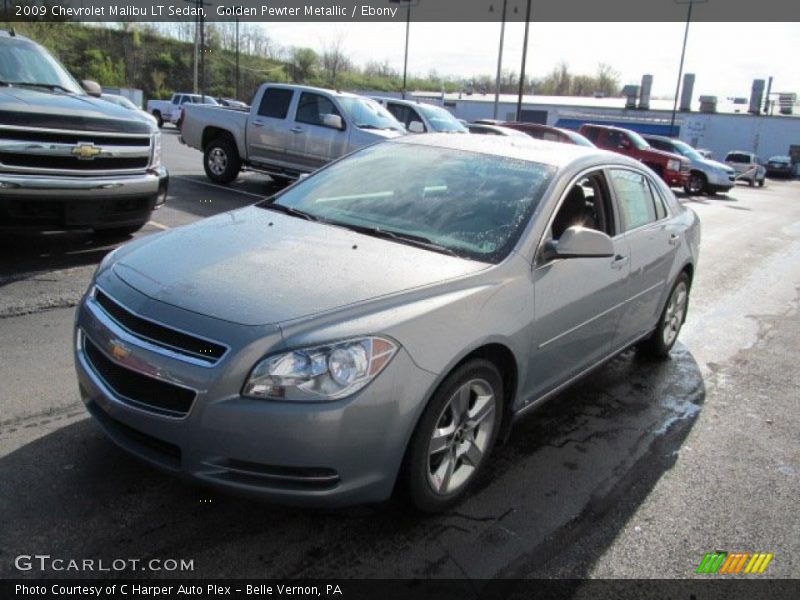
{"points": [[217, 161], [675, 313]]}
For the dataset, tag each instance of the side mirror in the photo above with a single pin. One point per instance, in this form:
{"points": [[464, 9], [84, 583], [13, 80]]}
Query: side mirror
{"points": [[416, 127], [579, 242], [333, 121], [91, 87]]}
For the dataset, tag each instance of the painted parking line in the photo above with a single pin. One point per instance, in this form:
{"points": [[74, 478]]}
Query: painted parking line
{"points": [[221, 187], [158, 225]]}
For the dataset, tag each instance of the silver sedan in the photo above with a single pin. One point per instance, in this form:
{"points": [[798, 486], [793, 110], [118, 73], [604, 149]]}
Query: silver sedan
{"points": [[384, 320]]}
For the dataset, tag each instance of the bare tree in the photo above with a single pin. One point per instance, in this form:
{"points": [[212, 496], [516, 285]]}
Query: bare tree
{"points": [[334, 59]]}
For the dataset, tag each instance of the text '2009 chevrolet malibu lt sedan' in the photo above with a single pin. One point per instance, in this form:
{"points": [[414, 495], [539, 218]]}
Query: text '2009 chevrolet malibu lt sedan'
{"points": [[382, 320]]}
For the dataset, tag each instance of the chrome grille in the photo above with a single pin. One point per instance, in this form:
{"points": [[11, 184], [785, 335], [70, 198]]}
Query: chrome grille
{"points": [[77, 153]]}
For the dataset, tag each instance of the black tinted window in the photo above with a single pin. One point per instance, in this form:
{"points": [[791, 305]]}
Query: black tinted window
{"points": [[275, 103], [312, 109]]}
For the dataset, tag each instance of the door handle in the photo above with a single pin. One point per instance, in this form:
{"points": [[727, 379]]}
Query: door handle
{"points": [[674, 239], [296, 130], [258, 124], [619, 261]]}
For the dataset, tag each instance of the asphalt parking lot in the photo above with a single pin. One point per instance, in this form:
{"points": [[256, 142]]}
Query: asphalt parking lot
{"points": [[640, 460]]}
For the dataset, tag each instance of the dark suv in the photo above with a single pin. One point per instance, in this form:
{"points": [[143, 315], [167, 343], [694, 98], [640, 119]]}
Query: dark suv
{"points": [[69, 160]]}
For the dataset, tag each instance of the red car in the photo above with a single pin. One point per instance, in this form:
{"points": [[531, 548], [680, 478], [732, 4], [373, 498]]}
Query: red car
{"points": [[672, 168]]}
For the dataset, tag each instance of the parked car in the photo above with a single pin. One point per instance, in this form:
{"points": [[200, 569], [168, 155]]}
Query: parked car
{"points": [[748, 167], [68, 159], [170, 110], [367, 327], [232, 103], [672, 168], [494, 130], [290, 130], [419, 117], [547, 133], [780, 166], [705, 176], [125, 103]]}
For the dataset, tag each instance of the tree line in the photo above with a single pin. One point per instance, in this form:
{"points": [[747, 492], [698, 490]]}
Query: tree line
{"points": [[158, 58]]}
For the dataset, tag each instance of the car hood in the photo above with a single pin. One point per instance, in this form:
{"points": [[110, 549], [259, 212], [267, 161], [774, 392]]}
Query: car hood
{"points": [[29, 107], [256, 267], [715, 164]]}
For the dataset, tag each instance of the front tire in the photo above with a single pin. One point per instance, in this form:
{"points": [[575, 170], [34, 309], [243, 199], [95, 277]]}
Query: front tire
{"points": [[454, 436], [670, 322], [696, 185], [221, 161], [159, 118]]}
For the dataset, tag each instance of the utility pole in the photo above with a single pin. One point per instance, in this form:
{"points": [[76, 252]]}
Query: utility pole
{"points": [[524, 56], [409, 4], [691, 4], [237, 58], [499, 58]]}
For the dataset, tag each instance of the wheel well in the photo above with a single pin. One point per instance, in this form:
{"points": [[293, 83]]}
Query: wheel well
{"points": [[698, 172], [212, 133], [503, 359], [156, 112], [689, 270]]}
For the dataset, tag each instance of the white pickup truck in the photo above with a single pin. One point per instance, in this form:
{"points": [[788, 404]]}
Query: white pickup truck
{"points": [[290, 130], [169, 110]]}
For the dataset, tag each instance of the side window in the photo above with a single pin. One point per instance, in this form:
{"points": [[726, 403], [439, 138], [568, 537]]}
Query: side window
{"points": [[312, 108], [661, 209], [275, 103], [185, 99], [592, 134], [613, 138], [398, 112], [634, 197], [551, 137], [587, 204]]}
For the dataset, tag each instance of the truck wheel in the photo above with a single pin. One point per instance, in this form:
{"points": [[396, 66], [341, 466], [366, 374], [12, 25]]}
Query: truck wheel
{"points": [[159, 119], [761, 183], [221, 161]]}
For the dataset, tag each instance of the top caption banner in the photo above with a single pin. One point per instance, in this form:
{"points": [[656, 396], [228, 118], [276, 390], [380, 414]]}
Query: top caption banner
{"points": [[398, 10]]}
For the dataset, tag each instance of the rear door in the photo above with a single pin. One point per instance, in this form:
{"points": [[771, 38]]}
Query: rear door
{"points": [[310, 142], [578, 301], [653, 241], [267, 126]]}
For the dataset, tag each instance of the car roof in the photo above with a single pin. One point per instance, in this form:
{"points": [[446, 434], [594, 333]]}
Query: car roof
{"points": [[521, 148], [404, 102], [309, 88]]}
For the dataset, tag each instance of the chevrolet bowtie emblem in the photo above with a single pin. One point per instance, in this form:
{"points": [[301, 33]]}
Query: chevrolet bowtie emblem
{"points": [[86, 151], [118, 350]]}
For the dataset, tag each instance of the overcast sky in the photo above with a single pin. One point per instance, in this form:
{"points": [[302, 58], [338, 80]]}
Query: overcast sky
{"points": [[725, 57]]}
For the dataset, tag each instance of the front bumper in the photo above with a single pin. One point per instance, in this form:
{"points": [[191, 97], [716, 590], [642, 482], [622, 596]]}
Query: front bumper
{"points": [[327, 454], [721, 180], [43, 202]]}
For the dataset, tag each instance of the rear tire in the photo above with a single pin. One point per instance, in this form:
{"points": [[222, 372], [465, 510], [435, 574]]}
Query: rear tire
{"points": [[761, 183], [221, 160], [454, 436], [670, 321]]}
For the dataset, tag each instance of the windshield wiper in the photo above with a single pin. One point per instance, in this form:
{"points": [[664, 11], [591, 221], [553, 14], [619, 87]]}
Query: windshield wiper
{"points": [[288, 210], [50, 86], [404, 238]]}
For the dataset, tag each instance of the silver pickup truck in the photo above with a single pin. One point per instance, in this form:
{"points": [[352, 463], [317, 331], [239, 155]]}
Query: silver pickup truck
{"points": [[290, 130]]}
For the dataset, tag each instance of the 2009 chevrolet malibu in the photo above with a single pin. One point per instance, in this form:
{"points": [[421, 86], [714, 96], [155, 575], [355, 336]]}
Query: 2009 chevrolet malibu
{"points": [[382, 321]]}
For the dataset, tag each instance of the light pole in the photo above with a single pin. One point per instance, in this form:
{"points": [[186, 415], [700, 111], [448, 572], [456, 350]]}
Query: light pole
{"points": [[691, 3], [237, 58], [409, 4], [524, 56]]}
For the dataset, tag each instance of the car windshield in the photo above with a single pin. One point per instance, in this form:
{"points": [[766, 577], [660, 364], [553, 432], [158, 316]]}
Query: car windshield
{"points": [[464, 203], [440, 119], [638, 141], [120, 101], [577, 138], [23, 62], [368, 114], [686, 150]]}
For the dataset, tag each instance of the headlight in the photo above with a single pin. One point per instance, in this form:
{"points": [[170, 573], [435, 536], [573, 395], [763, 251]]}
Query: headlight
{"points": [[326, 372], [156, 161], [673, 165]]}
